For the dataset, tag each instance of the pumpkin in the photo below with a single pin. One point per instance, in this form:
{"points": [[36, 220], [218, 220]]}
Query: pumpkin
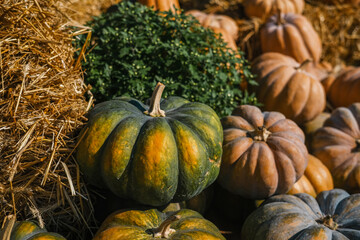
{"points": [[265, 8], [162, 5], [285, 86], [317, 178], [333, 214], [337, 145], [150, 154], [26, 230], [310, 128], [263, 153], [216, 21], [153, 224], [291, 34], [344, 87]]}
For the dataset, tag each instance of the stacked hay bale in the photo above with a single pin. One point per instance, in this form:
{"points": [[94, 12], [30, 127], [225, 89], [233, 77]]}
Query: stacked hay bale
{"points": [[42, 106]]}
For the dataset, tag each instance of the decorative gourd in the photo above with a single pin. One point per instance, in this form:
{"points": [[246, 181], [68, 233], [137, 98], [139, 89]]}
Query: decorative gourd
{"points": [[292, 35], [153, 224], [344, 89], [317, 178], [333, 214], [216, 21], [149, 154], [27, 230], [162, 5], [285, 86], [263, 153], [337, 145], [265, 8]]}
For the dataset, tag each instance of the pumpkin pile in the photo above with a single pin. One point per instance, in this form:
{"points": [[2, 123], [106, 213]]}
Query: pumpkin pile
{"points": [[177, 166]]}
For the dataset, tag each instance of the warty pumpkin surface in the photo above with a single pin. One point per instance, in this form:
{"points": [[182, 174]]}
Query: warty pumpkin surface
{"points": [[285, 86], [263, 153], [27, 230], [332, 215], [337, 145], [291, 34], [345, 87], [265, 8], [153, 224], [317, 178], [149, 154], [162, 5]]}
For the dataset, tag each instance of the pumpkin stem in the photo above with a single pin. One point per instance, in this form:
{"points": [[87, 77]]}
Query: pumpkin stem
{"points": [[304, 63], [280, 18], [154, 108], [164, 230], [328, 221], [260, 134]]}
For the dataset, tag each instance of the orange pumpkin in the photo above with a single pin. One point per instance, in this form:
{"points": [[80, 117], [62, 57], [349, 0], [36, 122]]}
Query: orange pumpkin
{"points": [[317, 178], [263, 153], [337, 145], [162, 5], [343, 89], [216, 21], [265, 8], [291, 34], [285, 86]]}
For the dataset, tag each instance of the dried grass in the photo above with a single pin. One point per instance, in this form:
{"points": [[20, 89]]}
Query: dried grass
{"points": [[338, 25], [42, 107]]}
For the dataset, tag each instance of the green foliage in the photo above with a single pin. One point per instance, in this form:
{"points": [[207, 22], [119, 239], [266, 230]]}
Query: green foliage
{"points": [[133, 47]]}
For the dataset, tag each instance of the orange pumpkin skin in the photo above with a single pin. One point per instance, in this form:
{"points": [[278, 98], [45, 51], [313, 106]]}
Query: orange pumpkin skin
{"points": [[292, 35], [345, 88], [162, 5], [337, 145], [285, 87], [263, 153], [265, 8], [216, 21], [317, 178]]}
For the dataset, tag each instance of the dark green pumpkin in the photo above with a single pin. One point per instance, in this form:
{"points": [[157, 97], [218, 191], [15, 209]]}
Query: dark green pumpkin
{"points": [[149, 154], [27, 230], [153, 224], [333, 214]]}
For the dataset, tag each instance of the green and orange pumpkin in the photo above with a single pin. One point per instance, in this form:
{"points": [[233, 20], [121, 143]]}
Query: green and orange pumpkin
{"points": [[153, 224], [28, 230], [169, 151]]}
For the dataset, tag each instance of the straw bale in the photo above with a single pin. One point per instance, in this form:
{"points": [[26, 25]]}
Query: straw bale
{"points": [[42, 106]]}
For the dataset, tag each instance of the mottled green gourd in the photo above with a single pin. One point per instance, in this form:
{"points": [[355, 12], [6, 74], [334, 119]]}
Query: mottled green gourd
{"points": [[27, 230], [153, 224], [168, 151]]}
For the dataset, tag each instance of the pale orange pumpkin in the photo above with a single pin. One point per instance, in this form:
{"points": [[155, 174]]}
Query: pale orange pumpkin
{"points": [[263, 153], [162, 5], [291, 34], [216, 21], [265, 8], [317, 178], [285, 86], [343, 88], [337, 145]]}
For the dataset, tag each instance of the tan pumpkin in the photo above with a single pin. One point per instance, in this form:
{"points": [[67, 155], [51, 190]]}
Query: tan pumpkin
{"points": [[162, 5], [291, 34], [285, 86], [265, 8], [343, 88], [337, 145], [317, 178], [263, 153], [216, 21]]}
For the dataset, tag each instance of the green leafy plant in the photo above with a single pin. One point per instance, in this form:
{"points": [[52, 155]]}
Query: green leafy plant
{"points": [[133, 47]]}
